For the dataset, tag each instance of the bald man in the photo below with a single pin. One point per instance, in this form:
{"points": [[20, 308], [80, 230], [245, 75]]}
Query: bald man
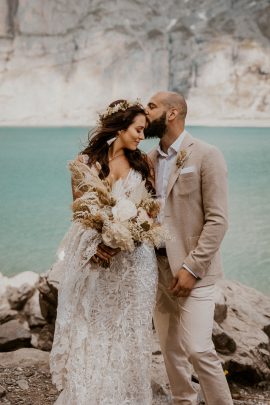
{"points": [[191, 183]]}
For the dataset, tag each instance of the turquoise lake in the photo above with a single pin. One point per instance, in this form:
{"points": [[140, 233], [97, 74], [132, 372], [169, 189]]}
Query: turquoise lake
{"points": [[35, 197]]}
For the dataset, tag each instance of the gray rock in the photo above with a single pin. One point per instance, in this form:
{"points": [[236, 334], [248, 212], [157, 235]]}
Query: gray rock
{"points": [[44, 338], [26, 357], [13, 335], [32, 311], [220, 306], [7, 315], [48, 295], [224, 344], [23, 384], [17, 297], [247, 324]]}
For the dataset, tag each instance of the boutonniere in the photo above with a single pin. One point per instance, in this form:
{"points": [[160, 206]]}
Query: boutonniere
{"points": [[181, 158]]}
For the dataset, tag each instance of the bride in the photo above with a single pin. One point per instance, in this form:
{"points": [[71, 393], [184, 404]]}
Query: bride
{"points": [[101, 352]]}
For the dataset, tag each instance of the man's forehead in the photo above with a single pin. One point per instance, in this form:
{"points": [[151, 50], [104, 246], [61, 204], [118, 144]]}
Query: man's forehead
{"points": [[156, 99]]}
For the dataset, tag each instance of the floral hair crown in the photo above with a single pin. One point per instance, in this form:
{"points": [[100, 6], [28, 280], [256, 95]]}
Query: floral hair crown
{"points": [[122, 106]]}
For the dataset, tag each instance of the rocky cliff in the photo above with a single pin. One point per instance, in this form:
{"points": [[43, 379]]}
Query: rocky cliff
{"points": [[61, 61]]}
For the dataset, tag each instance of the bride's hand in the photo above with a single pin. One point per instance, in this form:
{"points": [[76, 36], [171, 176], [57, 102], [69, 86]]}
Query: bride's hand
{"points": [[104, 253]]}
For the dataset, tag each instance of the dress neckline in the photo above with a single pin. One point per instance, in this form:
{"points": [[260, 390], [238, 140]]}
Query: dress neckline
{"points": [[123, 179]]}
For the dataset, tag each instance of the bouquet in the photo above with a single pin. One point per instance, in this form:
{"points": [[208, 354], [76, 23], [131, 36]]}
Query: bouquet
{"points": [[123, 219]]}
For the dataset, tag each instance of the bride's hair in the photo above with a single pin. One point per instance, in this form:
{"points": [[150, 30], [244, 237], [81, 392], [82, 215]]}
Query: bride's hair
{"points": [[119, 116]]}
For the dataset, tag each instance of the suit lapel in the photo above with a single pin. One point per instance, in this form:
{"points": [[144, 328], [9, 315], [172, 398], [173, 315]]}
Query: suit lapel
{"points": [[186, 144]]}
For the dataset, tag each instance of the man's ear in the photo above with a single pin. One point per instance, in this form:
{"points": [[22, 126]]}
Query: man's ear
{"points": [[172, 114]]}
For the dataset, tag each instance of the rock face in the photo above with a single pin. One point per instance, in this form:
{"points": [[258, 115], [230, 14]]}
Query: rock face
{"points": [[215, 52]]}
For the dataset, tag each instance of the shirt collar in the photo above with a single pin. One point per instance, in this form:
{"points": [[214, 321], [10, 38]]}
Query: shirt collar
{"points": [[175, 147]]}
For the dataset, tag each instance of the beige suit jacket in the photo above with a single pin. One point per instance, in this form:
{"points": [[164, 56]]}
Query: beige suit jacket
{"points": [[196, 210]]}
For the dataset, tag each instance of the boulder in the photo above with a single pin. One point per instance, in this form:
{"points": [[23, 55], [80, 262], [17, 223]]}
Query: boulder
{"points": [[48, 294], [14, 335], [26, 277], [16, 290], [220, 306], [32, 311], [43, 338], [224, 343], [247, 324], [7, 315], [26, 357], [17, 297]]}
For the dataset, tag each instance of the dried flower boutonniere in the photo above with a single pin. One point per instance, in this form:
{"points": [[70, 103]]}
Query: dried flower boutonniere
{"points": [[181, 158]]}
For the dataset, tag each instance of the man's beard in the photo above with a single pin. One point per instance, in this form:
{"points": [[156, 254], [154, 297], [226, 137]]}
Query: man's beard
{"points": [[156, 128]]}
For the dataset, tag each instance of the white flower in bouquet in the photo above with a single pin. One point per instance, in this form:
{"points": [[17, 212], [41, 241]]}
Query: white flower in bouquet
{"points": [[117, 235], [124, 210]]}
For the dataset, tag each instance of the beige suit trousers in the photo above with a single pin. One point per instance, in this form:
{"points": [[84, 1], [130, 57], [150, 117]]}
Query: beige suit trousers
{"points": [[185, 326]]}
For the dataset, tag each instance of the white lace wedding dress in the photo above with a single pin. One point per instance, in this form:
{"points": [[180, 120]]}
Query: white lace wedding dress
{"points": [[102, 345]]}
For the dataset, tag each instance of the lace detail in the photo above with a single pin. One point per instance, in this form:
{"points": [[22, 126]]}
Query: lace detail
{"points": [[102, 345]]}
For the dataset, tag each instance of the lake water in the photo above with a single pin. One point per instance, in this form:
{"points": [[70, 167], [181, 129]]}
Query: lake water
{"points": [[35, 197]]}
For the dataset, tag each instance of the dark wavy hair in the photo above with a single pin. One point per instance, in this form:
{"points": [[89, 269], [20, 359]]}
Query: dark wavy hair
{"points": [[109, 125]]}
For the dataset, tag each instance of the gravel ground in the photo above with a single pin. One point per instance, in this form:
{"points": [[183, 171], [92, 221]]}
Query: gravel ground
{"points": [[32, 386]]}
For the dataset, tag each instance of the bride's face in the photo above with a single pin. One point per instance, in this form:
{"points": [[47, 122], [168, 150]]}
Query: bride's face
{"points": [[130, 138]]}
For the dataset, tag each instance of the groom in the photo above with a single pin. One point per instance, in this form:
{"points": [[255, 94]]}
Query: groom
{"points": [[191, 182]]}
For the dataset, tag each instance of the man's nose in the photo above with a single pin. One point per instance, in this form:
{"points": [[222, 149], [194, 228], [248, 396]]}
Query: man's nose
{"points": [[146, 110]]}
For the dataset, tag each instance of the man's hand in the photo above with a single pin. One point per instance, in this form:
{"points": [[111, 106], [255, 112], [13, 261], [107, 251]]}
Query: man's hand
{"points": [[182, 284], [104, 253]]}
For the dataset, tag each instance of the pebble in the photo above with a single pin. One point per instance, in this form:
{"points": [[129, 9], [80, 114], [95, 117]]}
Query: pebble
{"points": [[29, 373], [23, 384], [2, 391]]}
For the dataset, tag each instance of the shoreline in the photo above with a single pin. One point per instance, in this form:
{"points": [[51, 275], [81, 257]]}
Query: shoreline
{"points": [[230, 123]]}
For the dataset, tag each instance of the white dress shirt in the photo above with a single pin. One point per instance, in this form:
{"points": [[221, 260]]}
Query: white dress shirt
{"points": [[165, 162]]}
